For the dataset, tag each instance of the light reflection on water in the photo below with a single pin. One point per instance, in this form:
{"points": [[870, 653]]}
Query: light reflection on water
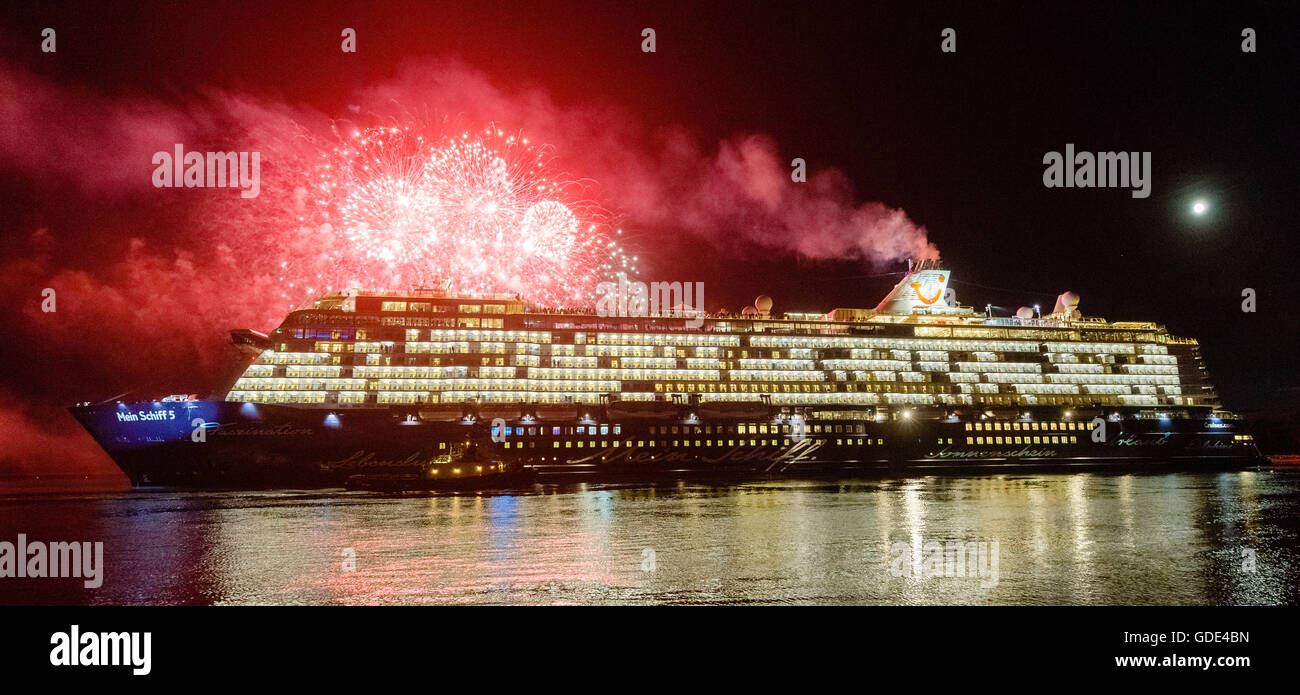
{"points": [[1174, 538]]}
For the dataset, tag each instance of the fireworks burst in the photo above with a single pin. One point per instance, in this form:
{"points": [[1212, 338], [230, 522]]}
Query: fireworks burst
{"points": [[389, 209]]}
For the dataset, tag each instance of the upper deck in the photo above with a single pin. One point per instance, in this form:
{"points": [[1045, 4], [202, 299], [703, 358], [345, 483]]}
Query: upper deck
{"points": [[434, 346]]}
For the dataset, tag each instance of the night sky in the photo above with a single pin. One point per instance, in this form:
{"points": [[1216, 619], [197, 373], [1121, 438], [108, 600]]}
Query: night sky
{"points": [[861, 92]]}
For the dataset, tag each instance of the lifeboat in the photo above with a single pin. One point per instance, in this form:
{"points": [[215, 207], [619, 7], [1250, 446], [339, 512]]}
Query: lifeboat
{"points": [[1003, 413], [491, 411], [1087, 413], [923, 412], [556, 411], [652, 410], [442, 412], [734, 410]]}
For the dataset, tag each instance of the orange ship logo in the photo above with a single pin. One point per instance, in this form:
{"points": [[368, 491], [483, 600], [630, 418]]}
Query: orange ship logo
{"points": [[937, 292]]}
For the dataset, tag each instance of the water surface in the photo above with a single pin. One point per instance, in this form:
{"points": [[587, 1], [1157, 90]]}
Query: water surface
{"points": [[1174, 538]]}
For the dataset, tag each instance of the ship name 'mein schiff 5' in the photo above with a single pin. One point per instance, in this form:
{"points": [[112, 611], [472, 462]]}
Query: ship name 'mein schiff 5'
{"points": [[430, 388]]}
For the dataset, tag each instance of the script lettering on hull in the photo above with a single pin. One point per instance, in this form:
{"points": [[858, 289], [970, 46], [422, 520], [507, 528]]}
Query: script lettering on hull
{"points": [[801, 451], [283, 429], [1025, 452], [369, 459]]}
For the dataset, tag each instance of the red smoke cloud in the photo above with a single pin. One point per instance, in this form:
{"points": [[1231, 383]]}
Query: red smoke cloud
{"points": [[739, 189], [171, 271], [67, 134], [744, 191], [148, 322]]}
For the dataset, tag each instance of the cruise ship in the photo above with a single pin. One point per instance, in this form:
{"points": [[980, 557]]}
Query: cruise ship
{"points": [[430, 385]]}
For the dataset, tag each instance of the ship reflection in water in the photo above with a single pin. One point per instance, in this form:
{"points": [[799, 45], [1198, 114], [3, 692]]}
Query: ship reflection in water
{"points": [[1060, 539]]}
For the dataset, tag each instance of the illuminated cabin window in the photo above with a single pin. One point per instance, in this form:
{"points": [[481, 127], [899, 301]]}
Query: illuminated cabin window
{"points": [[394, 306]]}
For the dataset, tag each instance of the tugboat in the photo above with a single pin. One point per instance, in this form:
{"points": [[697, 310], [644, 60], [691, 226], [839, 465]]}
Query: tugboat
{"points": [[470, 472]]}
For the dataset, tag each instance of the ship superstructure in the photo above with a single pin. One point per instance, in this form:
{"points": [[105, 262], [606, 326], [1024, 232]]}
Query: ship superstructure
{"points": [[362, 350]]}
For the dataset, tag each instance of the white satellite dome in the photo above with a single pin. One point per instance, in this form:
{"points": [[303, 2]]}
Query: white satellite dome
{"points": [[749, 311], [1024, 312], [1067, 304], [763, 304]]}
